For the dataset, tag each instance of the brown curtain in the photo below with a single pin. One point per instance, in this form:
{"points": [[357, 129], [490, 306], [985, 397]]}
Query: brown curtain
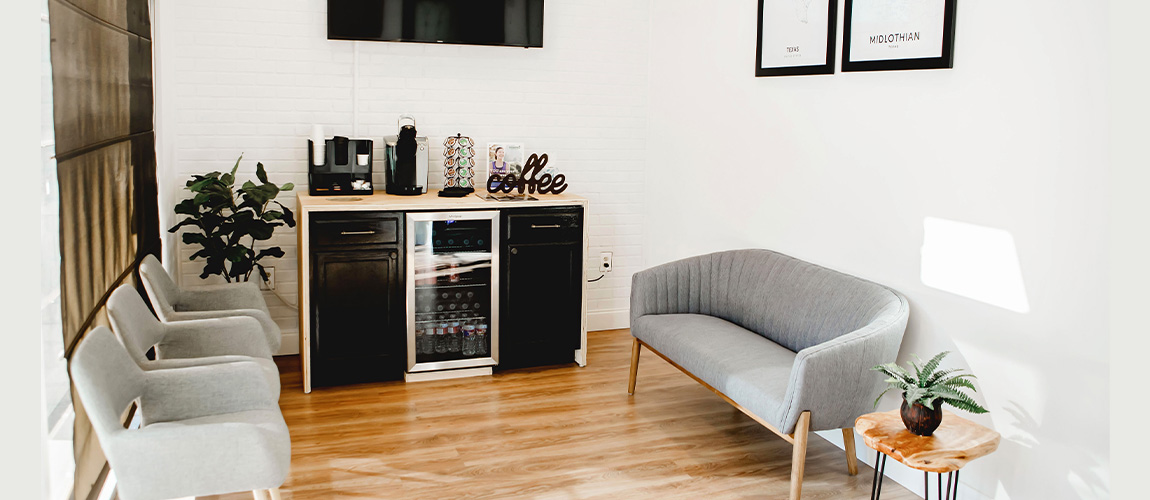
{"points": [[106, 164]]}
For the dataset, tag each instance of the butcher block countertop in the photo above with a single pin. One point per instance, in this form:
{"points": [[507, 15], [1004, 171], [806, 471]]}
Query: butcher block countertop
{"points": [[431, 200]]}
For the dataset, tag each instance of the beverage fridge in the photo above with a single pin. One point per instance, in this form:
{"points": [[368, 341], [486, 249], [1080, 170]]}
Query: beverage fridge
{"points": [[452, 290]]}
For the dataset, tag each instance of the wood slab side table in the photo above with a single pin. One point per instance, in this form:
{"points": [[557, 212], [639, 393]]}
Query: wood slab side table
{"points": [[955, 443]]}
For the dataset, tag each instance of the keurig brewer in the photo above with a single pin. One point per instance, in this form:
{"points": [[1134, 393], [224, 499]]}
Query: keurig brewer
{"points": [[345, 167], [406, 171]]}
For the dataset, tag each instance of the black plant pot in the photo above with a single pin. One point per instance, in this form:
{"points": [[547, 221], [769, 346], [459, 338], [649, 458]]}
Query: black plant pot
{"points": [[921, 420]]}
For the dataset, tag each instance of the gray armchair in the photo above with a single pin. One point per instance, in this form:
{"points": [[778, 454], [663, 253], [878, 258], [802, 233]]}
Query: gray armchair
{"points": [[787, 342], [188, 343], [173, 303], [206, 430]]}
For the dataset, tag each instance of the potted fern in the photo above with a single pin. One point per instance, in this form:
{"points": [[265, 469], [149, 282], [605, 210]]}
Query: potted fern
{"points": [[926, 389], [231, 221]]}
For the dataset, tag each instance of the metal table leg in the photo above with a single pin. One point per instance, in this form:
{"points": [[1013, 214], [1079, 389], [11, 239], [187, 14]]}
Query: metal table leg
{"points": [[876, 483], [880, 470]]}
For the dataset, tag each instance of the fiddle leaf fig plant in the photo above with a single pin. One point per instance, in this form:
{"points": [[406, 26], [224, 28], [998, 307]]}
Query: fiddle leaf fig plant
{"points": [[231, 221], [928, 384]]}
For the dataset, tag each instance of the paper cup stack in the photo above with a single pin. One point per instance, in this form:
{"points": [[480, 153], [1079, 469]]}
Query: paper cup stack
{"points": [[458, 162]]}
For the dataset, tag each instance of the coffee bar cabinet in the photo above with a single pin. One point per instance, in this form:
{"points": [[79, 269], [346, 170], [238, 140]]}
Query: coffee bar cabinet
{"points": [[375, 272], [357, 298], [543, 276]]}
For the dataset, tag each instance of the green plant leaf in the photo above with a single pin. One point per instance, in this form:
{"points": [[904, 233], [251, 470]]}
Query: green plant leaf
{"points": [[957, 382], [236, 253], [287, 187], [939, 375], [261, 174], [289, 217], [236, 166], [193, 238], [260, 230], [930, 366], [241, 268], [272, 215], [187, 207], [881, 394], [270, 252], [189, 221]]}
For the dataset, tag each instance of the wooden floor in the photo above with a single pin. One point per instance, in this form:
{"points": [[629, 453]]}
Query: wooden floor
{"points": [[562, 432]]}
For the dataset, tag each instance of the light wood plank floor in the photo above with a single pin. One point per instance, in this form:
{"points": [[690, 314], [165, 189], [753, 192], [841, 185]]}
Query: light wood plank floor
{"points": [[562, 432]]}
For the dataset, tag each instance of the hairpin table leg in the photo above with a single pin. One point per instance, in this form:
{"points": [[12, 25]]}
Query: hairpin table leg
{"points": [[879, 469]]}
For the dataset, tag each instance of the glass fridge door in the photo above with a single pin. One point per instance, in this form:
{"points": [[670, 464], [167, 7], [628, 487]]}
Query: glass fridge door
{"points": [[452, 290]]}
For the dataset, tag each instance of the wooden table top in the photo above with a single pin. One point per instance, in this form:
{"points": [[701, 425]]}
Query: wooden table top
{"points": [[955, 442]]}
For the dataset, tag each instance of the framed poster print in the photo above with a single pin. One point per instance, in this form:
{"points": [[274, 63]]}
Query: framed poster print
{"points": [[881, 35], [796, 37]]}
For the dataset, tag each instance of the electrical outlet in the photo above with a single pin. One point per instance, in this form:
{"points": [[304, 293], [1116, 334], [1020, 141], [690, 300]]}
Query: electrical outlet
{"points": [[270, 284], [605, 263]]}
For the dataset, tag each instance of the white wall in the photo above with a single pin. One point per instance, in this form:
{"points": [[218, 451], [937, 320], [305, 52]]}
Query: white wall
{"points": [[253, 77], [842, 170]]}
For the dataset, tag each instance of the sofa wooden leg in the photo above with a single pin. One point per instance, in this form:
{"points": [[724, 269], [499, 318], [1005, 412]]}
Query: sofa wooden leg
{"points": [[260, 494], [635, 347], [799, 455], [275, 493], [849, 446]]}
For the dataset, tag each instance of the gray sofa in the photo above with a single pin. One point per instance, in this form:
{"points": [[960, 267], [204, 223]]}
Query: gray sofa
{"points": [[787, 342]]}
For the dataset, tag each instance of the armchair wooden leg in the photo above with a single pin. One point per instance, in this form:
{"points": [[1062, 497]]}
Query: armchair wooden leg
{"points": [[849, 446], [799, 455], [635, 347], [260, 494], [275, 493]]}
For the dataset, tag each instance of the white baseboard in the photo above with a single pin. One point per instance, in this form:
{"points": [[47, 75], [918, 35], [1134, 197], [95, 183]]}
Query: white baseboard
{"points": [[908, 478], [289, 343], [608, 320]]}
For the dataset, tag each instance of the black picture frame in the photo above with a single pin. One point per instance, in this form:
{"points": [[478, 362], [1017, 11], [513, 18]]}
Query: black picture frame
{"points": [[823, 69], [944, 61]]}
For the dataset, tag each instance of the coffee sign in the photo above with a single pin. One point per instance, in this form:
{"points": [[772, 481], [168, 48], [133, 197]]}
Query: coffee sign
{"points": [[529, 181]]}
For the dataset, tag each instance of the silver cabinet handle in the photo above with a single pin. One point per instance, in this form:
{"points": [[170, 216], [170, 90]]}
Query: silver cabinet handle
{"points": [[349, 233], [545, 226]]}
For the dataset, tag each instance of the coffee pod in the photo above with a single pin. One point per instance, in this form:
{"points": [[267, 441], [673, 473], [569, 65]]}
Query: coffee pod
{"points": [[449, 182], [464, 182], [463, 172], [465, 142], [468, 152], [465, 162], [450, 142], [449, 161]]}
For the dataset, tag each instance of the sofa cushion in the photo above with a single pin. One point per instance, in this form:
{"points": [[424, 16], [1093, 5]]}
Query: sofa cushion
{"points": [[746, 367]]}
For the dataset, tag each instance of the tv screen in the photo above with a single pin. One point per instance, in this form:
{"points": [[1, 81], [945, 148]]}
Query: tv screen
{"points": [[517, 23]]}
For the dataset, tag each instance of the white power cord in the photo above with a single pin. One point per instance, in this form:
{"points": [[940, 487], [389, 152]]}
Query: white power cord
{"points": [[282, 299]]}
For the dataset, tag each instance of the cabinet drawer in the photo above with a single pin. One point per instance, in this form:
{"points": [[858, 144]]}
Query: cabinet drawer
{"points": [[347, 230], [555, 227]]}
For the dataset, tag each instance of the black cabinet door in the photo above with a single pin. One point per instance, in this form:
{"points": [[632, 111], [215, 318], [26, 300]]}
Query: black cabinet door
{"points": [[543, 283], [357, 316]]}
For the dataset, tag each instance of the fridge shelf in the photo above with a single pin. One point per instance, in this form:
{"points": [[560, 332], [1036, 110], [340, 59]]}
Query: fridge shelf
{"points": [[426, 321], [453, 285]]}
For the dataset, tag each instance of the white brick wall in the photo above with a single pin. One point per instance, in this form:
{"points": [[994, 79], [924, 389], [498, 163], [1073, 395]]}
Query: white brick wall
{"points": [[253, 77]]}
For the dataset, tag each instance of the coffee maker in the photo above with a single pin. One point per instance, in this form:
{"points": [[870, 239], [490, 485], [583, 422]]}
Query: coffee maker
{"points": [[406, 160], [345, 167]]}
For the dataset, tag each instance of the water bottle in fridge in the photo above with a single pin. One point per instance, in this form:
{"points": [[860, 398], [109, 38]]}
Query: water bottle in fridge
{"points": [[481, 339], [469, 340]]}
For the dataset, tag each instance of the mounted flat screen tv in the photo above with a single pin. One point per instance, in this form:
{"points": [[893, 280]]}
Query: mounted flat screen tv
{"points": [[516, 23]]}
